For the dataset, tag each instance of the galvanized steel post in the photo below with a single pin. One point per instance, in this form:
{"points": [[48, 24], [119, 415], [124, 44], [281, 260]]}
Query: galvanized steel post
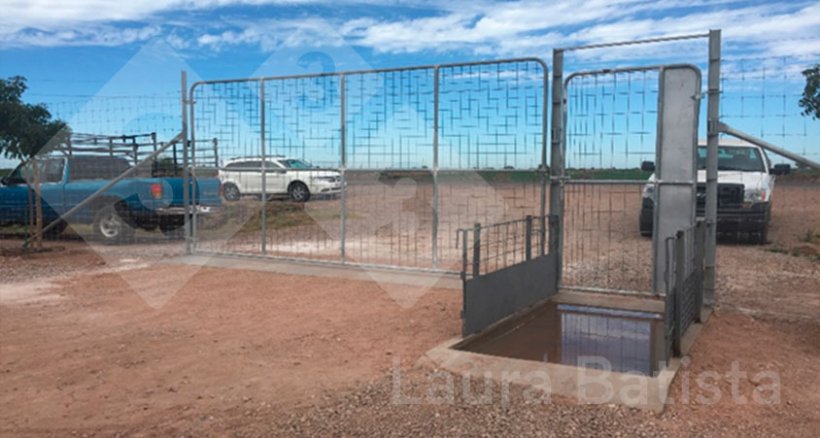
{"points": [[264, 165], [712, 138], [342, 169], [528, 238], [680, 279], [185, 179], [557, 162], [543, 167], [476, 250], [435, 167]]}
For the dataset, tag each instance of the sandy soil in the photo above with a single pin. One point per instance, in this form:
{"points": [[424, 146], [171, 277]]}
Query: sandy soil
{"points": [[118, 342], [94, 353]]}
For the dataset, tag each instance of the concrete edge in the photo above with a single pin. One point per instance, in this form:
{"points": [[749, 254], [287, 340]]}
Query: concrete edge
{"points": [[576, 383], [352, 272]]}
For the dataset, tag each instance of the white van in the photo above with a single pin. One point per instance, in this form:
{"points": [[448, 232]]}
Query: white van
{"points": [[745, 187], [291, 177]]}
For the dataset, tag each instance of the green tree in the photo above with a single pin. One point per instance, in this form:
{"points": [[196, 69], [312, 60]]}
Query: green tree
{"points": [[27, 131], [810, 102]]}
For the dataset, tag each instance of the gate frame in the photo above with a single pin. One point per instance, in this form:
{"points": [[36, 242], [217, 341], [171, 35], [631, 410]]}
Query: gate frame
{"points": [[189, 140], [558, 178]]}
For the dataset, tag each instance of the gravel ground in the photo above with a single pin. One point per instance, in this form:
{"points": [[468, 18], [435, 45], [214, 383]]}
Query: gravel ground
{"points": [[110, 341]]}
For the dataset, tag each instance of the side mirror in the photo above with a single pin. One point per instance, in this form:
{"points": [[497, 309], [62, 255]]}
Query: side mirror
{"points": [[648, 166], [4, 181], [781, 169]]}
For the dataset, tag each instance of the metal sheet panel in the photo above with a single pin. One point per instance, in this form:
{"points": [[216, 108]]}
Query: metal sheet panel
{"points": [[494, 296], [676, 172]]}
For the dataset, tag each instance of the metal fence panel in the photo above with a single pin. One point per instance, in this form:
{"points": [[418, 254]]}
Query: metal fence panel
{"points": [[420, 152]]}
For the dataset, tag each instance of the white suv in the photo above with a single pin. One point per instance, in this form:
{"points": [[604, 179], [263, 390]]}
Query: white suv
{"points": [[295, 178], [745, 186]]}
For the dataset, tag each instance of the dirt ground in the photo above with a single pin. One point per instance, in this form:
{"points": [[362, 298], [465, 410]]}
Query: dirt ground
{"points": [[117, 341]]}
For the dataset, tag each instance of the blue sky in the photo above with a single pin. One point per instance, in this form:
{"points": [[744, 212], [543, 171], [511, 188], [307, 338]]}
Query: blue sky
{"points": [[75, 51]]}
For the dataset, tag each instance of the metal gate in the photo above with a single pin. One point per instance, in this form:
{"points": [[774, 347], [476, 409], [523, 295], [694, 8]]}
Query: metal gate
{"points": [[611, 130], [395, 160], [605, 197]]}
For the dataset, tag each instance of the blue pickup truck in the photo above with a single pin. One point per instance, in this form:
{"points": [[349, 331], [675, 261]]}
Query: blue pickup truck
{"points": [[144, 202]]}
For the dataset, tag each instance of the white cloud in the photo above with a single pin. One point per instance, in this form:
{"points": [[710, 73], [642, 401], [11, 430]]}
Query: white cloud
{"points": [[530, 27], [521, 28], [96, 35]]}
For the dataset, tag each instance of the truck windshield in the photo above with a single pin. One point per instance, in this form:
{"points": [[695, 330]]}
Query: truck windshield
{"points": [[741, 159]]}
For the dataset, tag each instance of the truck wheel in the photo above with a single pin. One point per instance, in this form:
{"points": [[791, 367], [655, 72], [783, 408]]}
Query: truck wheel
{"points": [[231, 192], [298, 192], [110, 228]]}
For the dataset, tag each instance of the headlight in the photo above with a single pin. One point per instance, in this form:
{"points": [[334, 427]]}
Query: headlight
{"points": [[326, 178], [754, 195]]}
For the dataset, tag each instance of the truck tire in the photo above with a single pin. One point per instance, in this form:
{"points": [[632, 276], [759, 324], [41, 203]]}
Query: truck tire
{"points": [[109, 226], [298, 192]]}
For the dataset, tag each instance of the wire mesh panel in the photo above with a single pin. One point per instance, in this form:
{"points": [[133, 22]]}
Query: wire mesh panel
{"points": [[389, 154], [230, 112], [611, 119], [487, 248], [303, 143], [761, 96], [684, 284], [394, 161], [611, 128], [492, 129]]}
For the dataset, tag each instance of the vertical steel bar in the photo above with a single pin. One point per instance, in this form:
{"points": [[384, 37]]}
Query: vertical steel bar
{"points": [[192, 177], [343, 168], [435, 166], [216, 152], [194, 187], [185, 180], [264, 166], [464, 254], [543, 167], [476, 250], [528, 238], [680, 279], [557, 162], [712, 138], [700, 247]]}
